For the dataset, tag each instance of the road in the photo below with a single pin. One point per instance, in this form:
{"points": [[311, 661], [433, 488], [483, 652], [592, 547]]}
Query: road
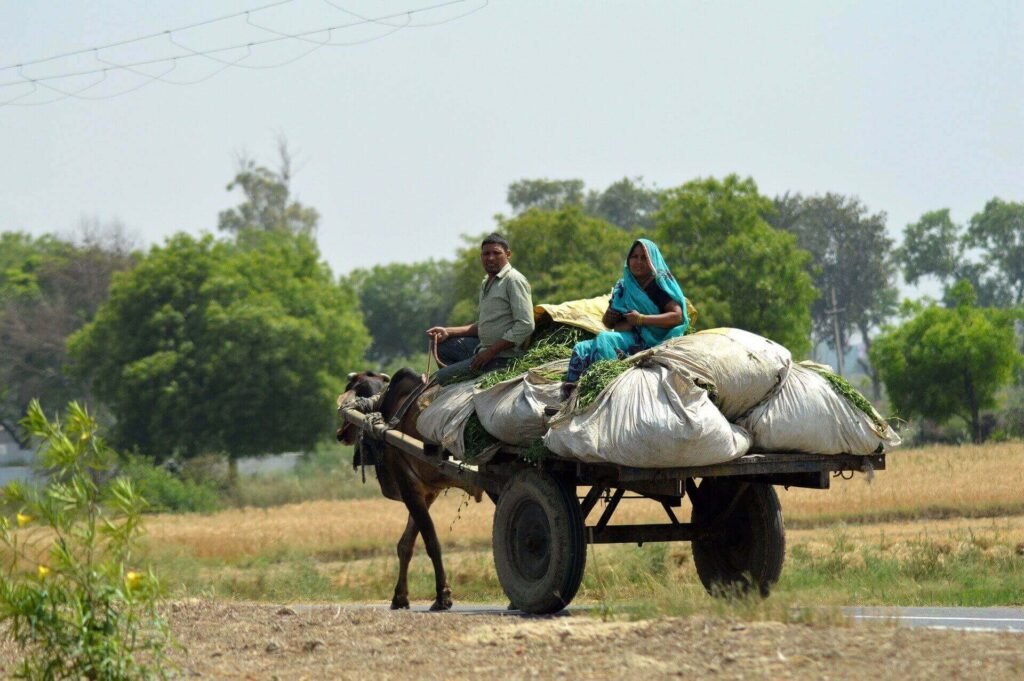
{"points": [[963, 619]]}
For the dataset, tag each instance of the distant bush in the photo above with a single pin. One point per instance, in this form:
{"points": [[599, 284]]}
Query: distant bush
{"points": [[168, 491], [325, 473]]}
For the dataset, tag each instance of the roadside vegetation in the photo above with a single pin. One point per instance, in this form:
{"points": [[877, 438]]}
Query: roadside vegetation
{"points": [[206, 484], [943, 525]]}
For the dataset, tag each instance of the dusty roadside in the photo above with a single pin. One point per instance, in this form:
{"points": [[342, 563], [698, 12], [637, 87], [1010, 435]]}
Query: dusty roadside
{"points": [[259, 641]]}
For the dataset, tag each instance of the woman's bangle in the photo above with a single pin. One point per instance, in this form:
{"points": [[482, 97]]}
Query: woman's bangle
{"points": [[640, 322]]}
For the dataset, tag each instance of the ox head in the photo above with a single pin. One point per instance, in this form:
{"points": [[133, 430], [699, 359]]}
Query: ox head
{"points": [[360, 384]]}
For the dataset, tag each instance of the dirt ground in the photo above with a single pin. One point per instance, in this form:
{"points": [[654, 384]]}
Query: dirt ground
{"points": [[259, 641]]}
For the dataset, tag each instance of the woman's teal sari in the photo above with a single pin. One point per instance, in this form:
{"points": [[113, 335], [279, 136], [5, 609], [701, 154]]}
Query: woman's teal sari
{"points": [[627, 295]]}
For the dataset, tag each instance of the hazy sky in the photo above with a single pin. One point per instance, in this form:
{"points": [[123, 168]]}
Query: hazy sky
{"points": [[407, 141]]}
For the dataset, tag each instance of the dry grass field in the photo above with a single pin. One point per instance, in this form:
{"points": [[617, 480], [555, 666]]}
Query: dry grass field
{"points": [[937, 518], [922, 484]]}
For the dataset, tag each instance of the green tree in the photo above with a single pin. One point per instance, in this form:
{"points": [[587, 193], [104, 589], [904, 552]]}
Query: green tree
{"points": [[21, 258], [989, 253], [626, 203], [564, 253], [852, 267], [732, 264], [401, 301], [947, 362], [268, 205], [51, 289], [931, 246], [211, 346], [544, 194], [998, 231]]}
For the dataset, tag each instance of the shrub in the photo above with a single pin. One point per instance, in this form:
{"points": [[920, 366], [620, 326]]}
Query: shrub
{"points": [[165, 491], [72, 600]]}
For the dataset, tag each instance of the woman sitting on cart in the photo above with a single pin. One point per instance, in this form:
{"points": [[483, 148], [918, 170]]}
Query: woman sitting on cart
{"points": [[646, 308]]}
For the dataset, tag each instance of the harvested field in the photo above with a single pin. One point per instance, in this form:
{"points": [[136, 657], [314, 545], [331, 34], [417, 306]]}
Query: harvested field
{"points": [[254, 641], [968, 481]]}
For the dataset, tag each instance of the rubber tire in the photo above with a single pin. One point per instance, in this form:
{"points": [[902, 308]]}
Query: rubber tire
{"points": [[748, 548], [540, 550]]}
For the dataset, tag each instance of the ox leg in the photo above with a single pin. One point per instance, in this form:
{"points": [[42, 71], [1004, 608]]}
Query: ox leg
{"points": [[405, 548], [419, 511]]}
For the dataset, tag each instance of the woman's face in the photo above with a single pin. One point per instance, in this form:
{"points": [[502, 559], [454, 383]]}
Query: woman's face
{"points": [[639, 267]]}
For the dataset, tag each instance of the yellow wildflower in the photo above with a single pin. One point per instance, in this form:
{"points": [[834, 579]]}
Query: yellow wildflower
{"points": [[132, 579], [23, 519], [43, 571]]}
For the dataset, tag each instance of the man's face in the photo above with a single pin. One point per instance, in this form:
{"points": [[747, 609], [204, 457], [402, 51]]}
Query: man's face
{"points": [[493, 257]]}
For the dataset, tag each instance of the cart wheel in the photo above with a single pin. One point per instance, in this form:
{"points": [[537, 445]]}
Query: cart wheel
{"points": [[539, 548], [745, 542]]}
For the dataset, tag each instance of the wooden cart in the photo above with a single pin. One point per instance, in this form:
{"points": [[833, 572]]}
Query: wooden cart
{"points": [[542, 525]]}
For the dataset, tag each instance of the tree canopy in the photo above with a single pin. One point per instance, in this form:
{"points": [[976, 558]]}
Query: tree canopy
{"points": [[851, 256], [211, 346], [988, 253], [268, 204], [736, 269], [998, 232], [627, 203], [401, 301], [544, 194], [50, 288], [947, 362]]}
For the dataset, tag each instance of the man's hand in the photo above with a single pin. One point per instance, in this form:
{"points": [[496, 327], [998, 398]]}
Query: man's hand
{"points": [[439, 334], [481, 359]]}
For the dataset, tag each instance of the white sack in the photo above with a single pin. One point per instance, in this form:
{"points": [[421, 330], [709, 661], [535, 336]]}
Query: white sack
{"points": [[808, 415], [513, 411], [649, 417], [744, 368], [444, 419]]}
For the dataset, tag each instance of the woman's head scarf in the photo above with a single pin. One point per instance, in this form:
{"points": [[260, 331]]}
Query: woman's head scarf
{"points": [[628, 295]]}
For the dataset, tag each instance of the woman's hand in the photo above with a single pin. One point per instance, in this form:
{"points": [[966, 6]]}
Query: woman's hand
{"points": [[611, 318], [635, 318]]}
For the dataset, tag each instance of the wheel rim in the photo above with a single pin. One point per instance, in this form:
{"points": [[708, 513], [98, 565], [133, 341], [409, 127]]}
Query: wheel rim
{"points": [[530, 540]]}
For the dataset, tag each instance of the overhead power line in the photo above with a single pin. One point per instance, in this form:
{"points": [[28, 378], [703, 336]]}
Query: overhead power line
{"points": [[214, 54], [140, 38]]}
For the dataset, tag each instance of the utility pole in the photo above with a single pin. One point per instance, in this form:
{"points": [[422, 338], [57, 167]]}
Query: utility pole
{"points": [[834, 312]]}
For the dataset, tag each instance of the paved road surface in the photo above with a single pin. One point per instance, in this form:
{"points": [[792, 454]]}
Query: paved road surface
{"points": [[965, 619]]}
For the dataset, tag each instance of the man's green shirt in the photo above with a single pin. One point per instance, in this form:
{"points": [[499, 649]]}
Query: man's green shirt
{"points": [[506, 310]]}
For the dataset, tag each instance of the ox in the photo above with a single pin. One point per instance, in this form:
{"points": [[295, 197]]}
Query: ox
{"points": [[403, 477]]}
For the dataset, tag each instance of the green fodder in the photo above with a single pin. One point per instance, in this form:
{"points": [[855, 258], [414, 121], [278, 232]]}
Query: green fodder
{"points": [[536, 451], [560, 334], [475, 438], [536, 356], [852, 395], [554, 342], [597, 378]]}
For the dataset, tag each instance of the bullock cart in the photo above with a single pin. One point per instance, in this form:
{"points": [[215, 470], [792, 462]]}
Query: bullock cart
{"points": [[543, 524]]}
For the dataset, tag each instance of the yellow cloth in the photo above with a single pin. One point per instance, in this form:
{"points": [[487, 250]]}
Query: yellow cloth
{"points": [[587, 313], [584, 314]]}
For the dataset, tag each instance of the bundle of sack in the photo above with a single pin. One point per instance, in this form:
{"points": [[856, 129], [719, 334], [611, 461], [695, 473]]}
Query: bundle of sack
{"points": [[700, 399]]}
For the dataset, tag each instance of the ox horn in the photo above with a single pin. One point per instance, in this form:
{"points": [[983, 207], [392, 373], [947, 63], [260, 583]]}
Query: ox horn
{"points": [[386, 377], [351, 375]]}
